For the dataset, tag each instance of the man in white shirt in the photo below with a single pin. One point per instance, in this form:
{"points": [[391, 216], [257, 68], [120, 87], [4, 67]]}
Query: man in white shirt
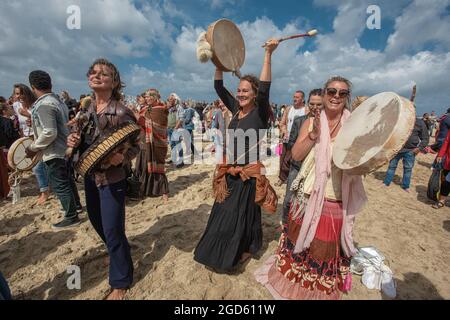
{"points": [[297, 110]]}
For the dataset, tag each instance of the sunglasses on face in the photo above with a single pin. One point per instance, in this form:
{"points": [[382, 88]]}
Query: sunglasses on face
{"points": [[331, 92]]}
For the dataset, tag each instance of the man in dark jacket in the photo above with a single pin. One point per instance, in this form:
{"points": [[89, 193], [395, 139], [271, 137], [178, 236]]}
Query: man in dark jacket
{"points": [[314, 102], [444, 126], [416, 143]]}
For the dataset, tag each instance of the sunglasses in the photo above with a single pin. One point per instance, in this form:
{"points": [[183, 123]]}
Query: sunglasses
{"points": [[331, 92]]}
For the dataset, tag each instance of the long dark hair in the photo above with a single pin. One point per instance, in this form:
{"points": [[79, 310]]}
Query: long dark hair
{"points": [[117, 90], [24, 90]]}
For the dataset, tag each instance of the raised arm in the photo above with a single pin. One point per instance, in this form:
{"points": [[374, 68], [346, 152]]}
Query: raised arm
{"points": [[228, 100], [265, 79], [266, 72]]}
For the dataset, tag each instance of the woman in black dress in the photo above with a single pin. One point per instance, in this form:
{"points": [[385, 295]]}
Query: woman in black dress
{"points": [[234, 233]]}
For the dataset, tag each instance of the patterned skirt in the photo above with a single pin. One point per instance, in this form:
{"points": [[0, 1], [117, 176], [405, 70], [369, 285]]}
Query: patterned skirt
{"points": [[320, 272], [153, 182]]}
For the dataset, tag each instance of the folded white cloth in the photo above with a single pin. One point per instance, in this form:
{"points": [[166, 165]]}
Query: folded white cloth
{"points": [[369, 263]]}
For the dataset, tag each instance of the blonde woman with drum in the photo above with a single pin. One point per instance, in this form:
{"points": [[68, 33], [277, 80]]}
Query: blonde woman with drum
{"points": [[313, 257]]}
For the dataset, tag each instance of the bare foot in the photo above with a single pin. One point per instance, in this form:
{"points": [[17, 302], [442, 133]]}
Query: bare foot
{"points": [[42, 198], [117, 294], [165, 198]]}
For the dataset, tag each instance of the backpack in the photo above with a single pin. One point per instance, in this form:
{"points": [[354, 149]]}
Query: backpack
{"points": [[434, 183]]}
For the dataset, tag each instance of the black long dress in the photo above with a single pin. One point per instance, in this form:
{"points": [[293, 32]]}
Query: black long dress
{"points": [[234, 226]]}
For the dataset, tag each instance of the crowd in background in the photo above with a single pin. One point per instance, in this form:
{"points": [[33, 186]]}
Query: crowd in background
{"points": [[15, 113]]}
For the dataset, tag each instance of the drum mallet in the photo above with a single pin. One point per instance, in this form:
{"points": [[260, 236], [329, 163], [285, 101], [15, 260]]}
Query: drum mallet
{"points": [[310, 33]]}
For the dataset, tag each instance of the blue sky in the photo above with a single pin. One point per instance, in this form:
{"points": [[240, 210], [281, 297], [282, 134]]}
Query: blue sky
{"points": [[153, 43]]}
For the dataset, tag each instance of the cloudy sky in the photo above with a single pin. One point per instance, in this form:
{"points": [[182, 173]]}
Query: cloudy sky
{"points": [[154, 44]]}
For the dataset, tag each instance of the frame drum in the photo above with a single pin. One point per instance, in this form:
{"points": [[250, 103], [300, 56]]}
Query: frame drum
{"points": [[227, 45], [104, 146], [374, 133], [17, 158]]}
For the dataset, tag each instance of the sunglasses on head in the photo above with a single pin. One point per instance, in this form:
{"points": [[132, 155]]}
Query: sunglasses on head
{"points": [[331, 92]]}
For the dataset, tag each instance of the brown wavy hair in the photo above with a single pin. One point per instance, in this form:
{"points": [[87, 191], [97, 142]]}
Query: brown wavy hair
{"points": [[117, 90], [253, 81]]}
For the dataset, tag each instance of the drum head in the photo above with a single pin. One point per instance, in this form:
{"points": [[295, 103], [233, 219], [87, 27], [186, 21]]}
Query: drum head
{"points": [[17, 159], [227, 44], [374, 133]]}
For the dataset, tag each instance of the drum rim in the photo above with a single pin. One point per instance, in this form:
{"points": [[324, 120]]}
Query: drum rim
{"points": [[210, 40], [12, 151], [361, 168], [79, 166]]}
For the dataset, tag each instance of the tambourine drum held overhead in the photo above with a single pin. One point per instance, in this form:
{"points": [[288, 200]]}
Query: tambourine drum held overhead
{"points": [[227, 45]]}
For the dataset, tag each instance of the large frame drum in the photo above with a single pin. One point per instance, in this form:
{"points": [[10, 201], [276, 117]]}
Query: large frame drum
{"points": [[374, 133], [227, 45]]}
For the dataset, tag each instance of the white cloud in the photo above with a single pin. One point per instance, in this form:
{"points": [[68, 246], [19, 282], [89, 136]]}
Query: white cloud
{"points": [[38, 39], [421, 23], [218, 4]]}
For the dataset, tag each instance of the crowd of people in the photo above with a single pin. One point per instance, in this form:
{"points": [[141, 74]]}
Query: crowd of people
{"points": [[312, 260]]}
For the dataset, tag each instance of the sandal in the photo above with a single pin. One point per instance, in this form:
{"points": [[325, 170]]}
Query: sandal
{"points": [[438, 205]]}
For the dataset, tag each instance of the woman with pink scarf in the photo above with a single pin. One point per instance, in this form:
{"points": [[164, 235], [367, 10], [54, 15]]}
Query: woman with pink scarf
{"points": [[313, 258]]}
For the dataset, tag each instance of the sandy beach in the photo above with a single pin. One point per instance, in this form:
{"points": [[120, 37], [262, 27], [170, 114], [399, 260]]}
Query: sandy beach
{"points": [[414, 238]]}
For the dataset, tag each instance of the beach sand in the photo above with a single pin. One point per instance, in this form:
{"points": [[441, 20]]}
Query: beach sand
{"points": [[414, 238]]}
